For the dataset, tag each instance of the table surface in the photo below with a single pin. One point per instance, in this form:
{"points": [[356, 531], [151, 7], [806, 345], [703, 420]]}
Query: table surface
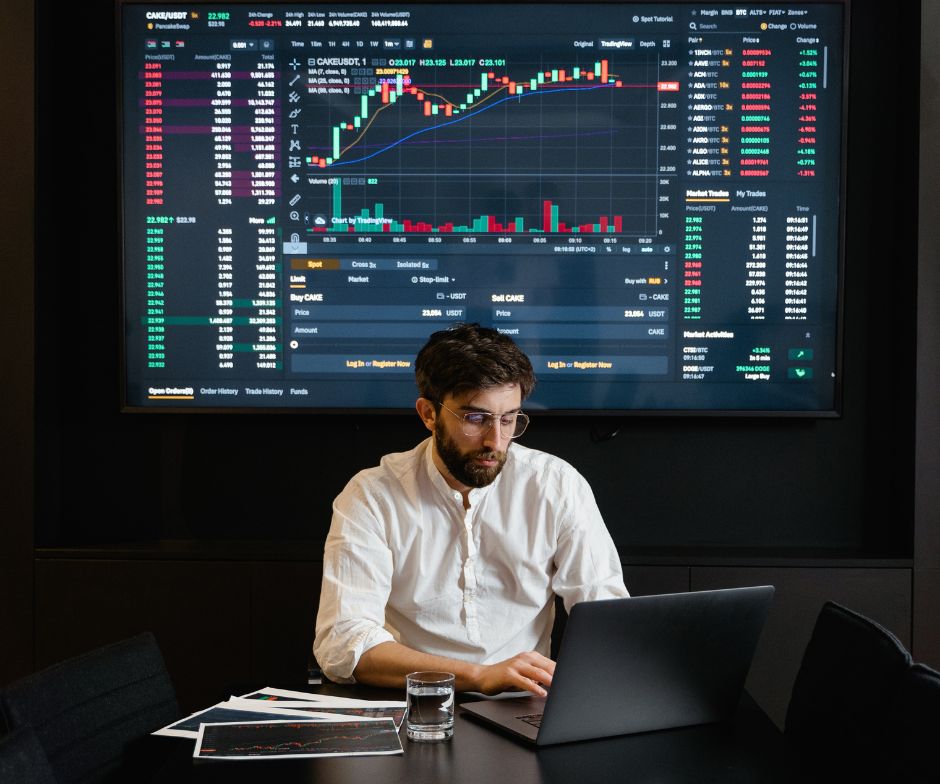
{"points": [[748, 749]]}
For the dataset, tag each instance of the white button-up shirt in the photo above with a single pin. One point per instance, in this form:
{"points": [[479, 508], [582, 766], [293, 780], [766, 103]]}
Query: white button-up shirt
{"points": [[404, 561]]}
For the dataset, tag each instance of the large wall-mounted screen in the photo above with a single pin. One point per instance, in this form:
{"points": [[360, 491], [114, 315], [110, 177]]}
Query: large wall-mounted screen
{"points": [[646, 197]]}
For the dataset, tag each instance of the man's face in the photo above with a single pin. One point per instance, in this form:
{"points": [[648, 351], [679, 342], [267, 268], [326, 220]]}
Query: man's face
{"points": [[474, 461]]}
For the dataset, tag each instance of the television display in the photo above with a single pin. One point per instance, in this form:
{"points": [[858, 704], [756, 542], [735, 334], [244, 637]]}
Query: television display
{"points": [[647, 197]]}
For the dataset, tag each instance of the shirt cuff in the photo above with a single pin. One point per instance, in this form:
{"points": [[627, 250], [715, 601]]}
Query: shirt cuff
{"points": [[341, 658]]}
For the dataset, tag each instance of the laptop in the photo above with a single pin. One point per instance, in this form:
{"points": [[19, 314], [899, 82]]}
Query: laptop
{"points": [[641, 664]]}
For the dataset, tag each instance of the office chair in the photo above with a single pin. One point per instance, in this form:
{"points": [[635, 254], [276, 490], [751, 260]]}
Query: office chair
{"points": [[87, 712], [914, 727], [838, 714], [22, 759]]}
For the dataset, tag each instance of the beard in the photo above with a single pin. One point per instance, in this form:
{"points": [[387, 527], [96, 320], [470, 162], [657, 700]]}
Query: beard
{"points": [[463, 466]]}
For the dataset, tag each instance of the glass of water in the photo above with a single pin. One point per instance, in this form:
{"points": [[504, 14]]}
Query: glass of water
{"points": [[430, 706]]}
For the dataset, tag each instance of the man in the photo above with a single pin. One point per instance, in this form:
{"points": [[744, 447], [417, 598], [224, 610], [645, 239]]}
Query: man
{"points": [[448, 557]]}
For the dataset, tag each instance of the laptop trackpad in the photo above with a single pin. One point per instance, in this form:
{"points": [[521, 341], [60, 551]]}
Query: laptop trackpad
{"points": [[513, 714]]}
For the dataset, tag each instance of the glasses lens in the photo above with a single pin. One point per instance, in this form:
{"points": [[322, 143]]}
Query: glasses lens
{"points": [[475, 424], [518, 427], [510, 425]]}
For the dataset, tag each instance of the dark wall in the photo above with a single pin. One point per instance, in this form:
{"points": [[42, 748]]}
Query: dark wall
{"points": [[16, 325], [842, 484], [927, 453]]}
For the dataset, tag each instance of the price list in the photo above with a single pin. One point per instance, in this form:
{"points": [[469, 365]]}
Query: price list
{"points": [[214, 112]]}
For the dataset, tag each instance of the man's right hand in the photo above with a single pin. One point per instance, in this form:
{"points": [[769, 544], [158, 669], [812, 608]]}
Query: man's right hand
{"points": [[529, 671]]}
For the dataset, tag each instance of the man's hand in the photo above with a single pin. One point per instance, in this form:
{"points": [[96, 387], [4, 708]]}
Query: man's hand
{"points": [[528, 671]]}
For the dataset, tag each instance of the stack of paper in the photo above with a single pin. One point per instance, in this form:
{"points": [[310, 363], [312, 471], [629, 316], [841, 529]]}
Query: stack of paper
{"points": [[276, 723]]}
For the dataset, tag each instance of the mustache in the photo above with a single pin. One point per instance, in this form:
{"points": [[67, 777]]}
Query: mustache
{"points": [[485, 454]]}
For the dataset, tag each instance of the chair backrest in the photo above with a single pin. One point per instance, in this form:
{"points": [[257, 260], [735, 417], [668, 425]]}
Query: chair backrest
{"points": [[914, 726], [22, 759], [87, 710], [838, 709]]}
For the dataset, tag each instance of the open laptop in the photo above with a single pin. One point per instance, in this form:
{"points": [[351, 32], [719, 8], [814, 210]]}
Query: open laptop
{"points": [[640, 664]]}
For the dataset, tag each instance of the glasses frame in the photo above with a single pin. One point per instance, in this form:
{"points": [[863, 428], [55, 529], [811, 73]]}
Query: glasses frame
{"points": [[492, 419]]}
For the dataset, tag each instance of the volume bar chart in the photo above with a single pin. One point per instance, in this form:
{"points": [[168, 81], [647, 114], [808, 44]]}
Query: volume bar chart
{"points": [[375, 220]]}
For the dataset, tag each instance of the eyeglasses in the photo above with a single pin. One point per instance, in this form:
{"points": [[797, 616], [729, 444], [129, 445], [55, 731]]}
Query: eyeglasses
{"points": [[478, 423]]}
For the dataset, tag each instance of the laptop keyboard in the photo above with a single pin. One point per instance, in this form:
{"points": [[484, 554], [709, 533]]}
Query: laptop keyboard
{"points": [[535, 719]]}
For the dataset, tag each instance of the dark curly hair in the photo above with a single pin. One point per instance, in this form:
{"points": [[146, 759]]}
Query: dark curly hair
{"points": [[467, 357]]}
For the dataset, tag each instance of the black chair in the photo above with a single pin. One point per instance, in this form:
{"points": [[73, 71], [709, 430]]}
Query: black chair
{"points": [[22, 759], [837, 719], [89, 713], [914, 727]]}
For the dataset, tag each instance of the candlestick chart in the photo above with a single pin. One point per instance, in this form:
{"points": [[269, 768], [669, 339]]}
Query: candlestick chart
{"points": [[485, 145]]}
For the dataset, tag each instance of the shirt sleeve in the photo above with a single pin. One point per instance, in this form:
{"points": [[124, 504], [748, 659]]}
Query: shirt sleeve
{"points": [[357, 571], [587, 566]]}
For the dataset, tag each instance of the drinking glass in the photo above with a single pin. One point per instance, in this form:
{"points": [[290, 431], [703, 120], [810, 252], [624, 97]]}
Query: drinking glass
{"points": [[430, 698]]}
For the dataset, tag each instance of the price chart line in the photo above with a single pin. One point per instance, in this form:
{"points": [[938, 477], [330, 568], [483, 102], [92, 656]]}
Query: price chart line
{"points": [[490, 86], [322, 163]]}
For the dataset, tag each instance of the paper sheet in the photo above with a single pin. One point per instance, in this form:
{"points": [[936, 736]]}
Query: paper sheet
{"points": [[291, 739]]}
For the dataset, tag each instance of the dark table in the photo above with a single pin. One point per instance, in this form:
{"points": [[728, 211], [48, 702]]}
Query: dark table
{"points": [[748, 749]]}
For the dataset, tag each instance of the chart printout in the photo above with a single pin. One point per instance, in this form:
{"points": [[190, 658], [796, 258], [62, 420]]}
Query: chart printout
{"points": [[271, 739], [645, 197]]}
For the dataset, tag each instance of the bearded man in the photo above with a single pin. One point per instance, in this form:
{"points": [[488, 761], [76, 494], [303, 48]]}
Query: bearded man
{"points": [[448, 557]]}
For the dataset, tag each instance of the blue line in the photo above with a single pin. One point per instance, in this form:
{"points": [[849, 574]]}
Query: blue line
{"points": [[467, 117]]}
